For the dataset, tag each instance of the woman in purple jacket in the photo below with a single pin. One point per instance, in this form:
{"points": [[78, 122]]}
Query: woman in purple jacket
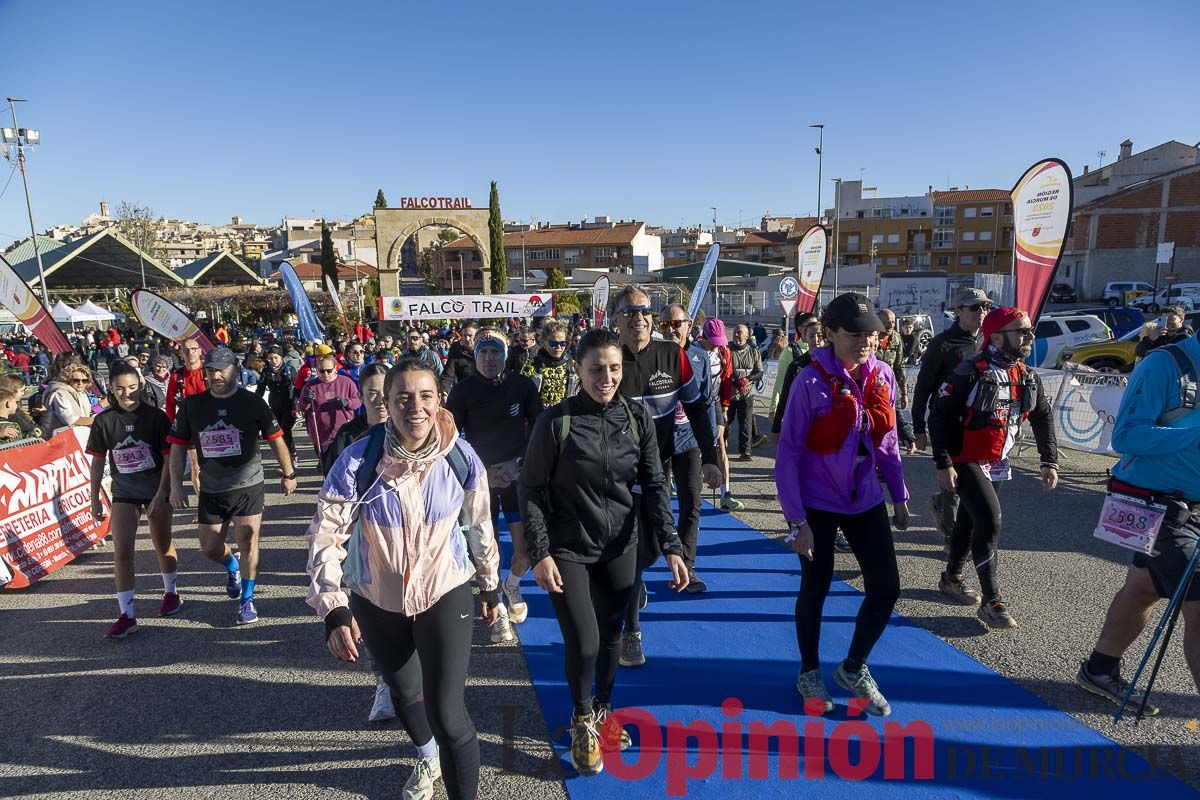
{"points": [[838, 438], [327, 402]]}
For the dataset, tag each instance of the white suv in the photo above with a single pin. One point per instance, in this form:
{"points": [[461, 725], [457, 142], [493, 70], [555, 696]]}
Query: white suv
{"points": [[1058, 329], [1114, 291], [1182, 294]]}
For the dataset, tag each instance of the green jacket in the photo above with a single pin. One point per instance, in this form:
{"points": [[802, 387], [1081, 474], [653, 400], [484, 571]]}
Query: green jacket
{"points": [[891, 352]]}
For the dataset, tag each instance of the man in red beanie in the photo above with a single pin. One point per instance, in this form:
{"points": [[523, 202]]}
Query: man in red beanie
{"points": [[973, 425]]}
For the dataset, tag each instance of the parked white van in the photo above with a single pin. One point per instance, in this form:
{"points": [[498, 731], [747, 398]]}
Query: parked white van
{"points": [[1114, 291]]}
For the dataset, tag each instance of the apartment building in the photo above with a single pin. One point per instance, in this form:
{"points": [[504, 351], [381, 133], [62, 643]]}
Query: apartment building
{"points": [[887, 232], [973, 231], [596, 245]]}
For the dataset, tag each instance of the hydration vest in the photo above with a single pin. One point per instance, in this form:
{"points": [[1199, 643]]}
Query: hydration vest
{"points": [[829, 431], [988, 418]]}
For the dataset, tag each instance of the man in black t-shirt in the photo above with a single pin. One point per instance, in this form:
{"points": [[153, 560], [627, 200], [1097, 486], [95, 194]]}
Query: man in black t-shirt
{"points": [[495, 409], [225, 423]]}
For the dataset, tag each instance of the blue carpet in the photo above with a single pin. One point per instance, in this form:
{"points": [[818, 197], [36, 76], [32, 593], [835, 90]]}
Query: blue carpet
{"points": [[987, 736]]}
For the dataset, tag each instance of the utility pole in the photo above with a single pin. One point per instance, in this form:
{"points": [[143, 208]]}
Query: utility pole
{"points": [[837, 223], [23, 137], [716, 272], [820, 163]]}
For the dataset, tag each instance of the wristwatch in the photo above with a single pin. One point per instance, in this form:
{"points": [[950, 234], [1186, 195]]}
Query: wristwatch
{"points": [[289, 477]]}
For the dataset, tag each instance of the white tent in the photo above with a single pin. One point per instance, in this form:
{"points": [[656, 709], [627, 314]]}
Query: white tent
{"points": [[63, 313], [95, 312]]}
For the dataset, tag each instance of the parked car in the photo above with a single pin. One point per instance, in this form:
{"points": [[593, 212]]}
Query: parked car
{"points": [[1181, 294], [1055, 332], [1114, 291], [1115, 355], [1063, 293], [923, 326], [1122, 320]]}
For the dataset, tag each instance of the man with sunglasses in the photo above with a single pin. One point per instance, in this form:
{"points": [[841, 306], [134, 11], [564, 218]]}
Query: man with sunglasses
{"points": [[974, 424], [416, 348], [945, 352], [327, 403], [658, 374], [356, 356]]}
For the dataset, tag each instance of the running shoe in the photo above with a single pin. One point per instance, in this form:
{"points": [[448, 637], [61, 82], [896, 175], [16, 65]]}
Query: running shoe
{"points": [[382, 709], [840, 544], [696, 584], [811, 686], [247, 614], [124, 626], [956, 590], [643, 598], [501, 630], [420, 784], [586, 757], [995, 615], [170, 604], [861, 684], [745, 457], [233, 584], [613, 735], [518, 609], [631, 650], [728, 503], [1111, 687]]}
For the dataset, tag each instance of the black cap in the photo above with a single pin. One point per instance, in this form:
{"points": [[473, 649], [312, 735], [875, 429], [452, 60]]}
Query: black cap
{"points": [[276, 349], [852, 312], [220, 358]]}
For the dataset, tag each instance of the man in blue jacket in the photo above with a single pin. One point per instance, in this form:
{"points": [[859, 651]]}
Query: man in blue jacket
{"points": [[1157, 433]]}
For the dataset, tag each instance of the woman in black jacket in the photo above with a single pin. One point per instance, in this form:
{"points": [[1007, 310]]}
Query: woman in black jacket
{"points": [[580, 514]]}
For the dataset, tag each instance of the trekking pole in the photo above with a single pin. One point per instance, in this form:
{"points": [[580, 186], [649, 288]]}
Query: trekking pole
{"points": [[1162, 651], [1166, 623]]}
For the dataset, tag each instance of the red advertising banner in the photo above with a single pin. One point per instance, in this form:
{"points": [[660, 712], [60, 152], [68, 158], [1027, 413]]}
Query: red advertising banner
{"points": [[1042, 201], [17, 297], [167, 319], [813, 249], [45, 509]]}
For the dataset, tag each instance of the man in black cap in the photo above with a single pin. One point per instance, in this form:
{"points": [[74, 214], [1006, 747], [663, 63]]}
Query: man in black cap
{"points": [[225, 423], [960, 341]]}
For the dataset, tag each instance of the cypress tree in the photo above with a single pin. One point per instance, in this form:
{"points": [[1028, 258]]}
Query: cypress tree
{"points": [[328, 255], [496, 239], [380, 200]]}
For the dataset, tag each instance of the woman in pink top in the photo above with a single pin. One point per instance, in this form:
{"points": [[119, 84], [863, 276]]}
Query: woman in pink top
{"points": [[407, 545], [327, 403]]}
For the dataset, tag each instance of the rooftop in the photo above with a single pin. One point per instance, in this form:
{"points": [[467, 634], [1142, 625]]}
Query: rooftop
{"points": [[972, 196], [622, 233]]}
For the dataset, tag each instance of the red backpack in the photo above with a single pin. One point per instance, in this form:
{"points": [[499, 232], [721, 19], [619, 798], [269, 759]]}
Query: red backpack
{"points": [[830, 430]]}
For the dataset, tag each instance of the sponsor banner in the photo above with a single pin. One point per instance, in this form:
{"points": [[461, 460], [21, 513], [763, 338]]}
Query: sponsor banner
{"points": [[337, 302], [599, 301], [45, 509], [466, 306], [309, 326], [18, 298], [1042, 202], [702, 281], [813, 249], [167, 319]]}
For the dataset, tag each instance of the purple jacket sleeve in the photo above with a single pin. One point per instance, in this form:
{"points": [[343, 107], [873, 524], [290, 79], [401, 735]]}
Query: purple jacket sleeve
{"points": [[887, 455], [797, 420]]}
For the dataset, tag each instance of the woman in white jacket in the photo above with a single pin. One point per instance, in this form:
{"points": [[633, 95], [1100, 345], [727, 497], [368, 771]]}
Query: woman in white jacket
{"points": [[407, 537]]}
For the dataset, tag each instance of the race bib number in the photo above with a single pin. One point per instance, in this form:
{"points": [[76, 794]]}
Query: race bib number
{"points": [[222, 443], [1130, 522], [997, 470], [129, 460]]}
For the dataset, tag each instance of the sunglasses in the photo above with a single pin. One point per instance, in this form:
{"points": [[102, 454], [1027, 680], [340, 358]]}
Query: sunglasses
{"points": [[327, 371], [667, 324], [556, 345], [1024, 333], [628, 312], [979, 307]]}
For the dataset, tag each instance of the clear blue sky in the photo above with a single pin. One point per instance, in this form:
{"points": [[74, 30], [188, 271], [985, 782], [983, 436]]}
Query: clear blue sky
{"points": [[647, 110]]}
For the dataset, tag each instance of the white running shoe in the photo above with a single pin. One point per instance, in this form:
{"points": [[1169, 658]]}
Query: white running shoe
{"points": [[518, 609], [501, 630], [382, 709], [425, 774]]}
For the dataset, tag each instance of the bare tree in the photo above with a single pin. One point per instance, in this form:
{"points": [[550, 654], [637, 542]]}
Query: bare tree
{"points": [[137, 224]]}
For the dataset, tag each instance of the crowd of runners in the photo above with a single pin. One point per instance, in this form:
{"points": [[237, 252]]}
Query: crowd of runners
{"points": [[579, 438]]}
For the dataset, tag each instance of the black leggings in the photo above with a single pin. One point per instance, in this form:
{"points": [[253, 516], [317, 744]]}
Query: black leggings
{"points": [[977, 529], [870, 537], [423, 659], [589, 612], [688, 485]]}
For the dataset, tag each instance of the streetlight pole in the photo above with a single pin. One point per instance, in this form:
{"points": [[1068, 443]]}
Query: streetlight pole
{"points": [[524, 277], [21, 137], [837, 226], [462, 275], [820, 163], [716, 272]]}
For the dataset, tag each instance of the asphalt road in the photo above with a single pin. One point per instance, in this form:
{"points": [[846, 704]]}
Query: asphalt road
{"points": [[195, 707]]}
